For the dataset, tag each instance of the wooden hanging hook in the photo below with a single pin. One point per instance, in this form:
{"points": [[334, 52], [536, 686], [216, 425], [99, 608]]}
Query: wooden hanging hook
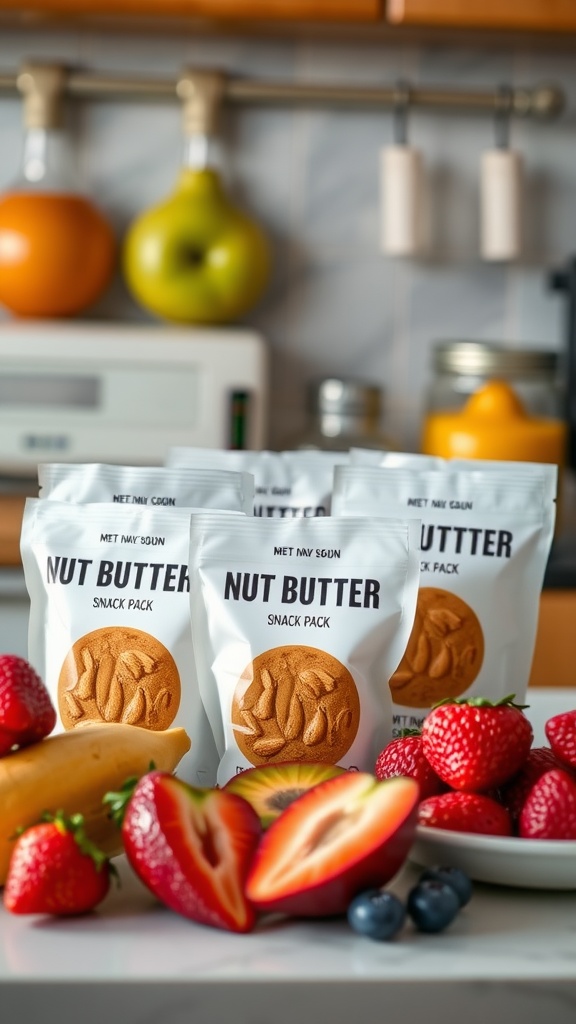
{"points": [[202, 94], [402, 97], [42, 87], [504, 109]]}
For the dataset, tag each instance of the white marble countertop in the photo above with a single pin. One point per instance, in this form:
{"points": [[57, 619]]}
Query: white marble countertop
{"points": [[510, 957]]}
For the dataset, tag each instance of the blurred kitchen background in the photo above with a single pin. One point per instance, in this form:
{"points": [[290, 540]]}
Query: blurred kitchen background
{"points": [[337, 304]]}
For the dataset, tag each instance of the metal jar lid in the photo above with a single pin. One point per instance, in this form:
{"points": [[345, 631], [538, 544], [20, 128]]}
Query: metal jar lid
{"points": [[489, 359], [343, 397]]}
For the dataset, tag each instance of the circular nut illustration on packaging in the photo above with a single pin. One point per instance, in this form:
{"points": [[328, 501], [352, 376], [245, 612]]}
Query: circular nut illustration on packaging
{"points": [[444, 653], [118, 674], [295, 703]]}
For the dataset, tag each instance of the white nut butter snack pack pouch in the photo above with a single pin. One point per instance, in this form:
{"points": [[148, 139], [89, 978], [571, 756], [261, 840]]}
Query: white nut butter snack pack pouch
{"points": [[485, 539], [288, 484], [109, 627], [297, 627], [175, 487]]}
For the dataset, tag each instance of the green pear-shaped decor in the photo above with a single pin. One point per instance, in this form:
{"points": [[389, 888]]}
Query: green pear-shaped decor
{"points": [[195, 258]]}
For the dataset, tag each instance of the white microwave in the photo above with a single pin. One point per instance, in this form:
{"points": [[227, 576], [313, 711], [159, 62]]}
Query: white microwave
{"points": [[92, 391]]}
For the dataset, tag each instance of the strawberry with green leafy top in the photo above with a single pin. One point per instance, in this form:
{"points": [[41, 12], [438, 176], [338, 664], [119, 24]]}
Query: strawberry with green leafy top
{"points": [[476, 745], [55, 869]]}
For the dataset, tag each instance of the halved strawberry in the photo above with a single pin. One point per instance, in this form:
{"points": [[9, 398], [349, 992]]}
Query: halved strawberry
{"points": [[192, 848], [349, 833]]}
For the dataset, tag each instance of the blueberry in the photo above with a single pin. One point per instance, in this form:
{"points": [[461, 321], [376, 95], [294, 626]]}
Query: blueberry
{"points": [[432, 905], [377, 914], [455, 877]]}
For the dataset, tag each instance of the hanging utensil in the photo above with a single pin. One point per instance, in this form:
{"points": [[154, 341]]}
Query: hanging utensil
{"points": [[500, 190], [401, 184]]}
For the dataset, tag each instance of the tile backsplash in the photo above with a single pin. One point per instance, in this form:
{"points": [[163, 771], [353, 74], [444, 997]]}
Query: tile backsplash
{"points": [[336, 303]]}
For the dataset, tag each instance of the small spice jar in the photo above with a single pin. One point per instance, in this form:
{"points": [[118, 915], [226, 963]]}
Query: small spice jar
{"points": [[343, 414]]}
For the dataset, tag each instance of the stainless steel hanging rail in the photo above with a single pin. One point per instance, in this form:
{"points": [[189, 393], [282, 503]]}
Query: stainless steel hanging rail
{"points": [[542, 102]]}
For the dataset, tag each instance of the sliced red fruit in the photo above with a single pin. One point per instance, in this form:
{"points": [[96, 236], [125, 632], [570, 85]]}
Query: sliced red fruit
{"points": [[347, 834], [192, 848], [271, 788]]}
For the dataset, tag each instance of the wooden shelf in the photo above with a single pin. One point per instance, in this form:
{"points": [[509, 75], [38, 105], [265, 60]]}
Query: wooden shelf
{"points": [[11, 511], [531, 15], [272, 26], [237, 10], [555, 652]]}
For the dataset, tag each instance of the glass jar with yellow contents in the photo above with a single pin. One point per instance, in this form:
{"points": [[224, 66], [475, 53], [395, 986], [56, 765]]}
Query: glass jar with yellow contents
{"points": [[487, 400], [494, 424], [460, 367]]}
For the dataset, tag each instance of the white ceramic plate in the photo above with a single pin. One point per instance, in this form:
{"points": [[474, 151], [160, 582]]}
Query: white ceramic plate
{"points": [[524, 863]]}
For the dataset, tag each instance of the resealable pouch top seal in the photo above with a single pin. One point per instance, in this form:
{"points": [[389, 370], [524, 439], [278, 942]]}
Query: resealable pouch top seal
{"points": [[393, 459], [297, 627], [485, 539], [288, 484], [417, 460], [109, 627], [174, 487]]}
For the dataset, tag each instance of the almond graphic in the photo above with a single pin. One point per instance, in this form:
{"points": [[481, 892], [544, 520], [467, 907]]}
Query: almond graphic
{"points": [[295, 703], [118, 673]]}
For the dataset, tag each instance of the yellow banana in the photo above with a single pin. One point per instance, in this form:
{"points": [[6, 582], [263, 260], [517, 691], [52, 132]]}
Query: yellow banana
{"points": [[73, 770]]}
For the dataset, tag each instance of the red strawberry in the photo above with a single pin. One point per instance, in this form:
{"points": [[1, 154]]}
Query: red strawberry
{"points": [[26, 711], [191, 847], [476, 745], [55, 869], [465, 812], [404, 756], [514, 792], [549, 811], [561, 735]]}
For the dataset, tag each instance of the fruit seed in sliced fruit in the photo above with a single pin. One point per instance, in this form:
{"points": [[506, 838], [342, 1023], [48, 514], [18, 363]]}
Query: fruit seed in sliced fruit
{"points": [[271, 788]]}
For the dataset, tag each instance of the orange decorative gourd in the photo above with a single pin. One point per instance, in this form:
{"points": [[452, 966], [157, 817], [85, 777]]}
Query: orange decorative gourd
{"points": [[57, 253]]}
